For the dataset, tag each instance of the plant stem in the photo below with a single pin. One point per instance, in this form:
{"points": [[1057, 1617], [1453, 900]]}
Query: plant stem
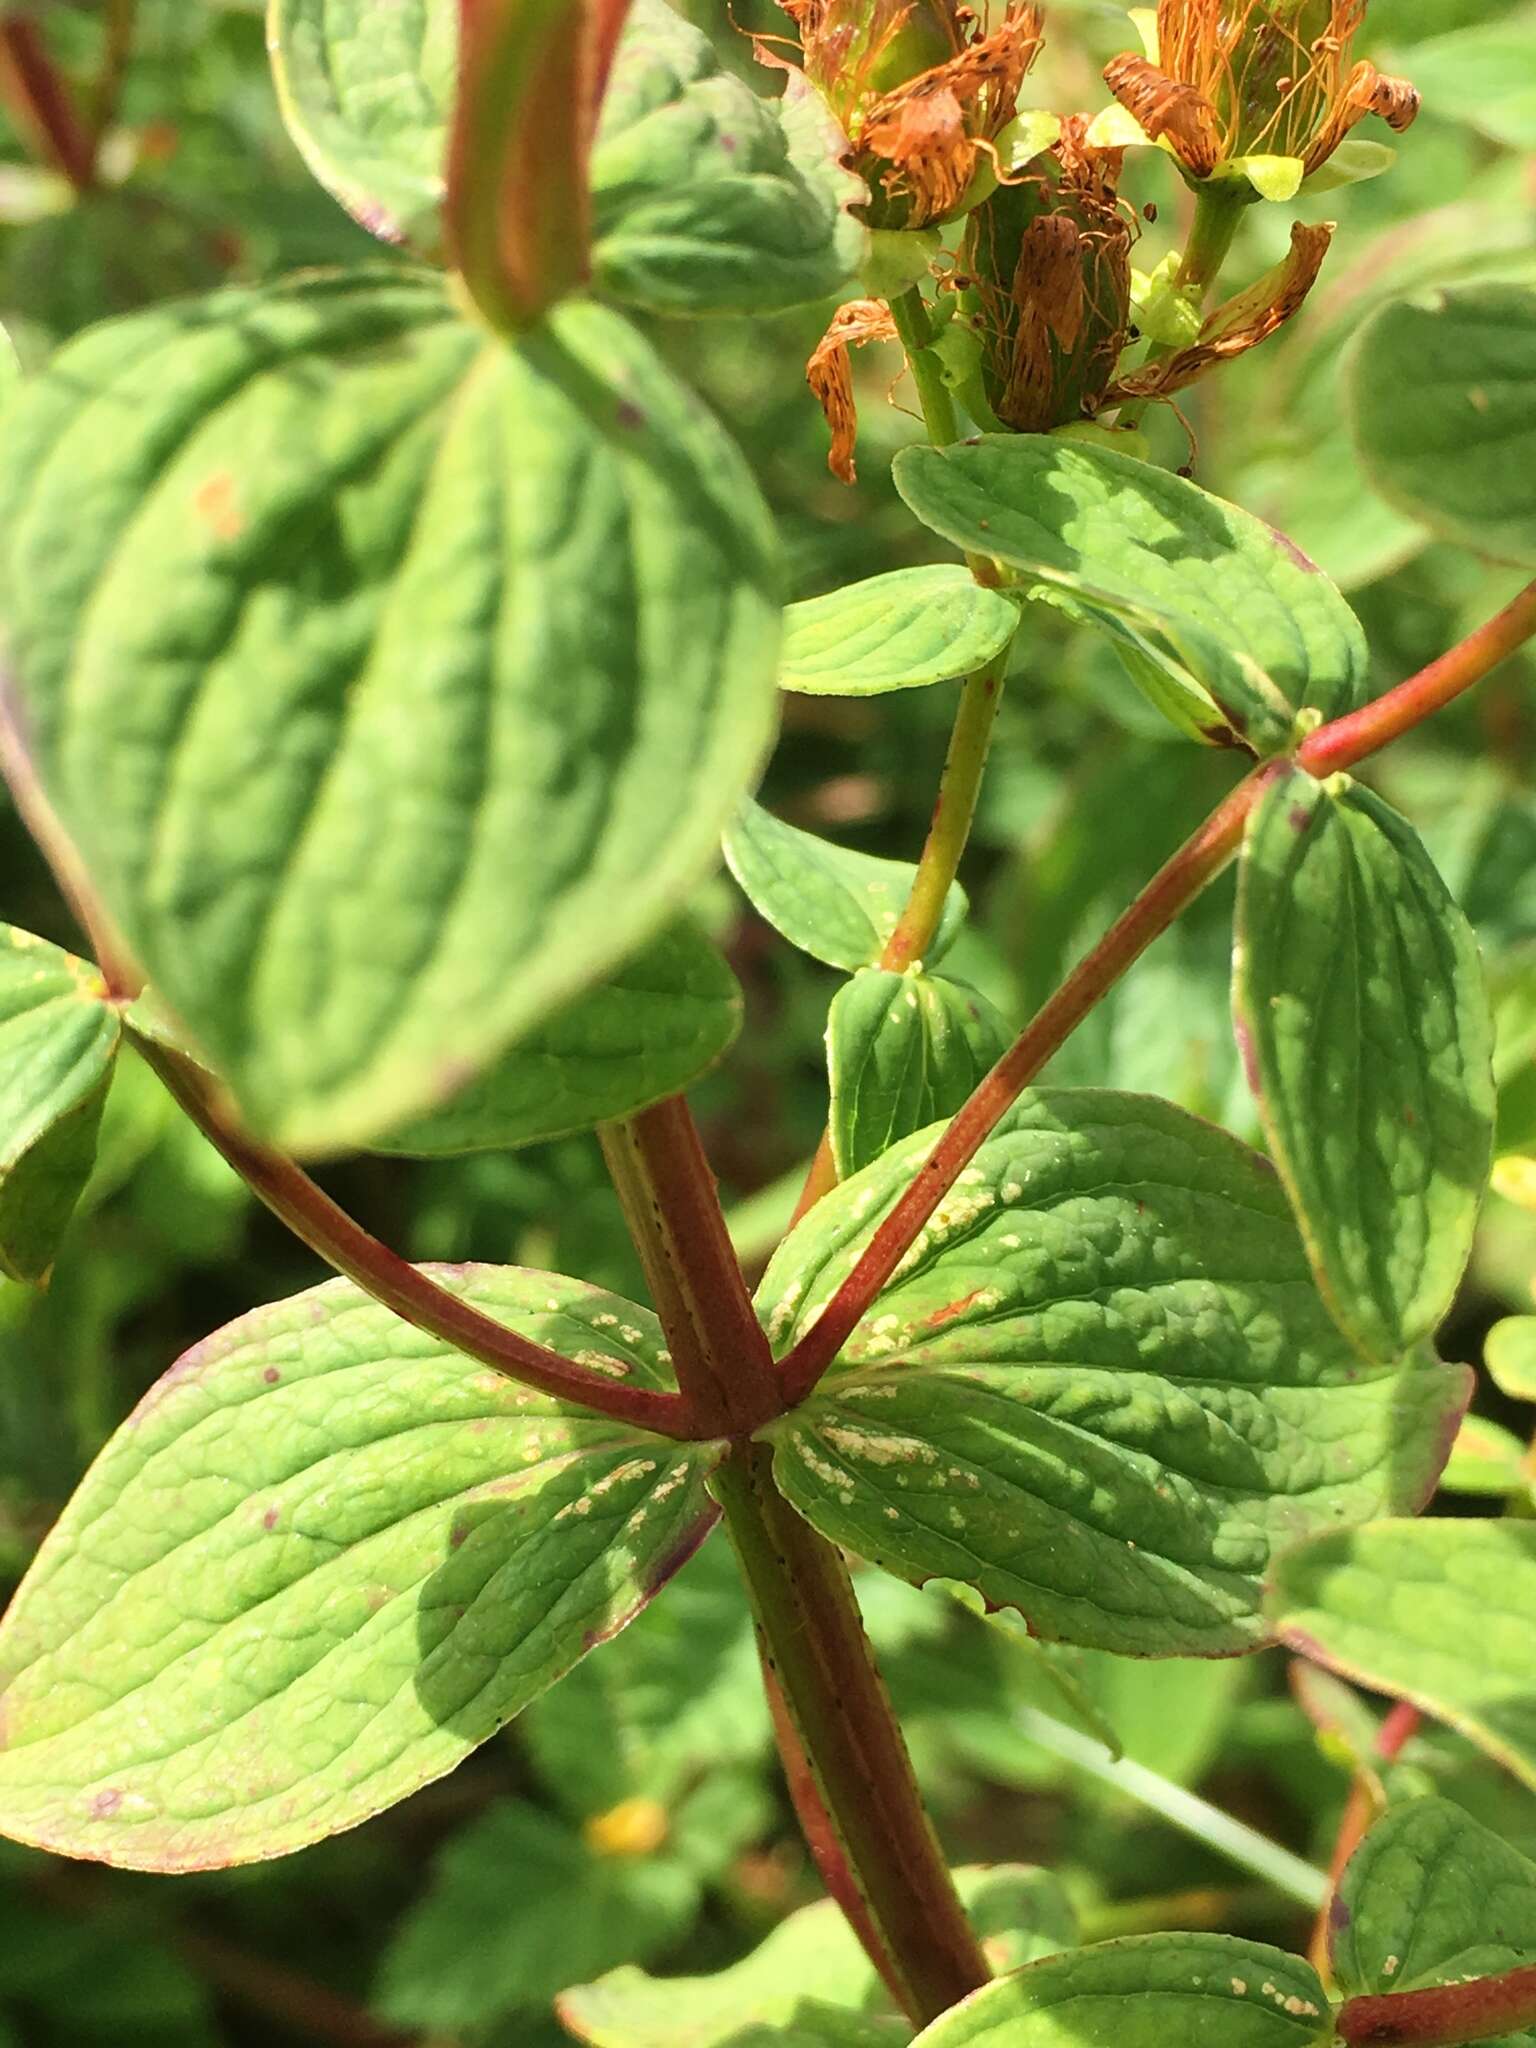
{"points": [[969, 742], [1176, 885], [953, 814], [38, 98], [1350, 739], [814, 1642], [916, 331], [1451, 2016], [343, 1243], [1219, 208], [1287, 1874], [670, 1201], [820, 1835], [949, 831]]}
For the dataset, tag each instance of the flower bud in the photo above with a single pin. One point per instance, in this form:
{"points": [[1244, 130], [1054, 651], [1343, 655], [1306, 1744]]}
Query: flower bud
{"points": [[1256, 78], [1046, 279]]}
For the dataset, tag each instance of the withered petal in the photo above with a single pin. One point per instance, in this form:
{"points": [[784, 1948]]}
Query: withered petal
{"points": [[829, 373], [1366, 91], [1164, 106], [1239, 325]]}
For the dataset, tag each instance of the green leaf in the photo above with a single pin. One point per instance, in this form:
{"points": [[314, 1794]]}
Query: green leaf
{"points": [[1396, 1607], [837, 905], [518, 1907], [705, 200], [1483, 76], [903, 1051], [1362, 1009], [1485, 1459], [894, 632], [58, 1044], [648, 1031], [1201, 1990], [1431, 1897], [417, 751], [810, 1983], [1509, 1352], [1442, 388], [325, 1558], [1101, 1387], [1217, 617], [367, 97]]}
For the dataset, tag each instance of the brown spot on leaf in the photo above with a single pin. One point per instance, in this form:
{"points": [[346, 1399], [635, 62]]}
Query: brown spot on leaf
{"points": [[271, 1375], [951, 1309], [216, 506], [106, 1803]]}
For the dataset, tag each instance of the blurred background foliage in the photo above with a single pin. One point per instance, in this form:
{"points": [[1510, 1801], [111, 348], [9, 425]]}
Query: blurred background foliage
{"points": [[634, 1814]]}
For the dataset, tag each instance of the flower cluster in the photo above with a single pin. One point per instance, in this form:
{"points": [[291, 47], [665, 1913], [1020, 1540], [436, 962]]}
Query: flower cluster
{"points": [[1036, 309]]}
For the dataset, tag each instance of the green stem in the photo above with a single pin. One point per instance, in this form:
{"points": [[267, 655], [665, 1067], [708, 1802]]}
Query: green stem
{"points": [[953, 815], [1219, 208], [814, 1642], [1244, 1846], [916, 331], [969, 740], [118, 31], [412, 1293], [720, 1352]]}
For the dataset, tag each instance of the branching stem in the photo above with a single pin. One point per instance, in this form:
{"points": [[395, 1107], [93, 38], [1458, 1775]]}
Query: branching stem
{"points": [[343, 1243], [1176, 885]]}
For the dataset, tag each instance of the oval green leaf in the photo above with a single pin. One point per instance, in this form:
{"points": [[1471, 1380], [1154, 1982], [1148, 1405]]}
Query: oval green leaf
{"points": [[706, 200], [1102, 1388], [837, 905], [903, 1051], [396, 685], [324, 1559], [1224, 624], [1432, 1897], [646, 1032], [1200, 1990], [1487, 1460], [899, 631], [367, 95], [1442, 390], [58, 1044], [1395, 1607], [1364, 1017]]}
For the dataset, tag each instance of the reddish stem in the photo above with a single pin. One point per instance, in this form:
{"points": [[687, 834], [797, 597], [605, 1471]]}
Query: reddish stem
{"points": [[343, 1243], [1451, 2016], [820, 1834], [40, 102], [1176, 884], [670, 1200], [1348, 740]]}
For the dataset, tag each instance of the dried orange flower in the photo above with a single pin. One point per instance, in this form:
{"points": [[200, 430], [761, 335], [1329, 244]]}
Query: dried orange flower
{"points": [[830, 374], [1245, 78], [921, 96], [1046, 285]]}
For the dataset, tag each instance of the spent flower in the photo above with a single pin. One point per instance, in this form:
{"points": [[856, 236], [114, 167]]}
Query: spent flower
{"points": [[1237, 79]]}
